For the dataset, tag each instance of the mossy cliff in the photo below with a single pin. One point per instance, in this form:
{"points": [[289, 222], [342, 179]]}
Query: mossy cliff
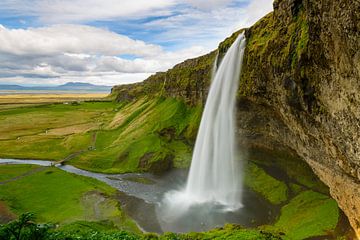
{"points": [[188, 81], [298, 96], [300, 90]]}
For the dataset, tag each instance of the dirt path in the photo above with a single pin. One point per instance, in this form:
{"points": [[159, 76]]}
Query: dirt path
{"points": [[71, 156], [75, 154], [31, 172]]}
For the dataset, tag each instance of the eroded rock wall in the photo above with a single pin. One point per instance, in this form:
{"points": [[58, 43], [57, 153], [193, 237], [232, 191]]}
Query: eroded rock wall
{"points": [[303, 62]]}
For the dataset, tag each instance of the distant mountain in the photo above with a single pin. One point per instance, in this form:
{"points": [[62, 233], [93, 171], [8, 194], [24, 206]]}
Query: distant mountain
{"points": [[12, 87], [70, 86]]}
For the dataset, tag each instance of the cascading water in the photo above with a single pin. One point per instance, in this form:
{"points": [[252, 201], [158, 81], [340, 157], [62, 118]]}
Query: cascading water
{"points": [[215, 174]]}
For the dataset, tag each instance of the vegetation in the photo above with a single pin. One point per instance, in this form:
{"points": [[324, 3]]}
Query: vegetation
{"points": [[309, 214], [60, 197], [143, 136], [51, 131], [26, 229], [270, 188], [103, 136], [289, 168]]}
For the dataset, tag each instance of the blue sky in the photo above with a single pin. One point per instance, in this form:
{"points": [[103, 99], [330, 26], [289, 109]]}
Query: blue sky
{"points": [[45, 42]]}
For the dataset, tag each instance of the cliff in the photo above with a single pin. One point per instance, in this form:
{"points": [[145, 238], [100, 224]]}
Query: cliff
{"points": [[299, 90], [303, 66]]}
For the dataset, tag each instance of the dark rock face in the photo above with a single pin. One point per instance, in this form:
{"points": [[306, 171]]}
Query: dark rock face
{"points": [[307, 71], [299, 90]]}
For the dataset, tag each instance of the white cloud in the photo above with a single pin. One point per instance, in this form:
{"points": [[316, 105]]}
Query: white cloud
{"points": [[71, 38], [64, 52], [208, 4], [208, 28], [70, 11]]}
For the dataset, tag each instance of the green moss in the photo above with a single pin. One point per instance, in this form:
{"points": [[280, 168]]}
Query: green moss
{"points": [[309, 214], [181, 152], [261, 35], [74, 199], [194, 123], [270, 188], [295, 188], [272, 44], [296, 170], [226, 44], [228, 232]]}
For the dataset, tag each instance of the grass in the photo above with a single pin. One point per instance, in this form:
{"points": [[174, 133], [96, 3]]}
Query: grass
{"points": [[143, 133], [11, 171], [60, 197], [50, 131], [296, 170], [270, 188], [135, 136], [231, 232], [17, 98], [309, 214]]}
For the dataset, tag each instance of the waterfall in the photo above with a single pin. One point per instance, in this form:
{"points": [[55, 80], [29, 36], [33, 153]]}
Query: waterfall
{"points": [[214, 174], [215, 178]]}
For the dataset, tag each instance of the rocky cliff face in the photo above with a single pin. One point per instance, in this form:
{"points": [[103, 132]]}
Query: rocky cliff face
{"points": [[303, 63], [299, 90]]}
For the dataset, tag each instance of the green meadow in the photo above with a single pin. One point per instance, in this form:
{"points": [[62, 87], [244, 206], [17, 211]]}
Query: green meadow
{"points": [[113, 137]]}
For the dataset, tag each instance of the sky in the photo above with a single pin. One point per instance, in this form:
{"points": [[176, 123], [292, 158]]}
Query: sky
{"points": [[111, 42]]}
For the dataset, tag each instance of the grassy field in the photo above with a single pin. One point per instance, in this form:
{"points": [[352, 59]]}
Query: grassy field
{"points": [[113, 137], [60, 197], [17, 98], [51, 131]]}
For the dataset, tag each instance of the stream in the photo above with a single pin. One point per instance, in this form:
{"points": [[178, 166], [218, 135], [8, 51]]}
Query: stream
{"points": [[141, 196]]}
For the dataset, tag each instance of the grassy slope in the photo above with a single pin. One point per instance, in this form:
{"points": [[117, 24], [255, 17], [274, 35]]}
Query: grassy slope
{"points": [[60, 197], [125, 133], [149, 129]]}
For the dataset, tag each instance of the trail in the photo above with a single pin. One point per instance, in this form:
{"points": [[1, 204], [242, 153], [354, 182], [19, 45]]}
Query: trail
{"points": [[62, 162], [31, 172], [75, 154]]}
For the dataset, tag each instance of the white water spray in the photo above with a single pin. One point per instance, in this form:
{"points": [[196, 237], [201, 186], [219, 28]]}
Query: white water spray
{"points": [[215, 175]]}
